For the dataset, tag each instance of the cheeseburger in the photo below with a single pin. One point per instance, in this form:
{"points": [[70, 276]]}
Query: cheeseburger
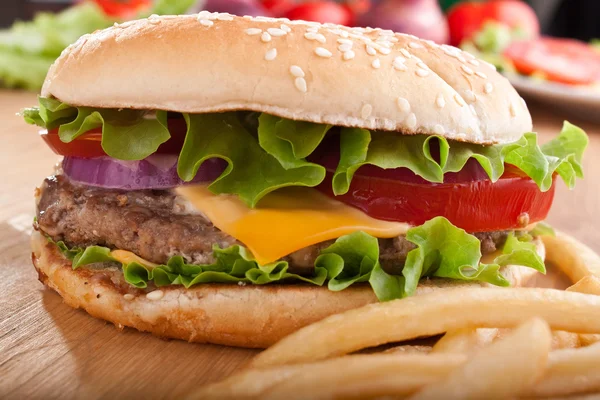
{"points": [[231, 179]]}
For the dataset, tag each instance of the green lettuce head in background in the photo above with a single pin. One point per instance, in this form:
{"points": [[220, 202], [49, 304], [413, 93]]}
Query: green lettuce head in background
{"points": [[27, 49]]}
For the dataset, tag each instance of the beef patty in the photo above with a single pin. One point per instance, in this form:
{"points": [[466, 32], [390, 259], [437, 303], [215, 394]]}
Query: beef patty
{"points": [[158, 224]]}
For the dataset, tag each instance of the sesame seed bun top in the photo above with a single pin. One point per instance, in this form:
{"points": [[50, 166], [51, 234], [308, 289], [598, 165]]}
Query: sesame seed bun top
{"points": [[358, 77]]}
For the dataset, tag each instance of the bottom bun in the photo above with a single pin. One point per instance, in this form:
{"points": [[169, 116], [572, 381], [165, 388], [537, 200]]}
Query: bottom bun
{"points": [[233, 315]]}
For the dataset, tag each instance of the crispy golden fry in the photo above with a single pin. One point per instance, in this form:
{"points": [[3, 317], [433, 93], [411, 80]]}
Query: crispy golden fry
{"points": [[465, 341], [432, 314], [571, 371], [588, 284], [591, 285], [362, 375], [570, 255], [500, 371]]}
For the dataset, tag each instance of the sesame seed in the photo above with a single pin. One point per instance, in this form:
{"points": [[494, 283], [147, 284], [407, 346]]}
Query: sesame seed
{"points": [[312, 29], [492, 66], [271, 54], [513, 111], [467, 70], [384, 50], [422, 72], [405, 53], [345, 41], [300, 84], [366, 111], [297, 71], [403, 105], [488, 88], [286, 28], [470, 96], [481, 74], [376, 63], [399, 66], [345, 47], [320, 38], [128, 296], [474, 62], [155, 295], [205, 15], [473, 110], [253, 31], [461, 59], [310, 35], [371, 51], [523, 102], [322, 52], [438, 129], [400, 60], [206, 22], [414, 45], [265, 37], [459, 100], [344, 34], [349, 55], [276, 32], [422, 65], [440, 101], [224, 17], [411, 121], [249, 17]]}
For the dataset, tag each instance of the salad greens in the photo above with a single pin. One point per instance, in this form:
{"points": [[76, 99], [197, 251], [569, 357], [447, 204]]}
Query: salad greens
{"points": [[275, 155], [28, 48], [441, 250]]}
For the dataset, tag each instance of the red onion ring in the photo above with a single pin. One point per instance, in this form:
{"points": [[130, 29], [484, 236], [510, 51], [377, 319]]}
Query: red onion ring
{"points": [[159, 171]]}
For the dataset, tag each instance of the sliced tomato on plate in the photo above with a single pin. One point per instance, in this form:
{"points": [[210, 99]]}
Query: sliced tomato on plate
{"points": [[467, 198], [566, 61], [89, 145]]}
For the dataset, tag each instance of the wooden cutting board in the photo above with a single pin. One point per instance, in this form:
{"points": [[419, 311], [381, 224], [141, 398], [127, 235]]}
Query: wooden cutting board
{"points": [[48, 350]]}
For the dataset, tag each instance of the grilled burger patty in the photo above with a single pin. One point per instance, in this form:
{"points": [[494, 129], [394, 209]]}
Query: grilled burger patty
{"points": [[158, 224]]}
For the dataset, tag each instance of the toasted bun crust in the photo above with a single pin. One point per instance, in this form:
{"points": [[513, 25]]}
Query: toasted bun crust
{"points": [[245, 316], [357, 77]]}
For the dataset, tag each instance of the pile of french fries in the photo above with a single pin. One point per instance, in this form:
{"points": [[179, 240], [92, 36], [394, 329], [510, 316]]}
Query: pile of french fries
{"points": [[496, 344]]}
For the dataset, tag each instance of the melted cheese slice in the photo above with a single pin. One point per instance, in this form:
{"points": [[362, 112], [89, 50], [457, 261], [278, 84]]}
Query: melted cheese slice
{"points": [[127, 257], [286, 220]]}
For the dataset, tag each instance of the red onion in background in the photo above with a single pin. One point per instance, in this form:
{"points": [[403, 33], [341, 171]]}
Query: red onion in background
{"points": [[236, 7], [159, 171], [422, 18]]}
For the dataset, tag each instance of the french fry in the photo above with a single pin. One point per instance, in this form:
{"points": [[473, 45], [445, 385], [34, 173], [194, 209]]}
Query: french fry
{"points": [[366, 376], [465, 341], [433, 314], [565, 340], [591, 285], [503, 370], [571, 371], [574, 258], [362, 375], [588, 284]]}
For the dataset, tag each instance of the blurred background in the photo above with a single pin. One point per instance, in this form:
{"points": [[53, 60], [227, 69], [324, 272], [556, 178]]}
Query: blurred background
{"points": [[549, 49]]}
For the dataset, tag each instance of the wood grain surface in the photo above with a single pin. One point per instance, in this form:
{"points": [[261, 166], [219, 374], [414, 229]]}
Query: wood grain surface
{"points": [[48, 350]]}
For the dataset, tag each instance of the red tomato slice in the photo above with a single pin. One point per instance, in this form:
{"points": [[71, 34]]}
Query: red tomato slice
{"points": [[561, 60], [321, 11], [123, 8], [467, 18], [467, 198], [89, 145]]}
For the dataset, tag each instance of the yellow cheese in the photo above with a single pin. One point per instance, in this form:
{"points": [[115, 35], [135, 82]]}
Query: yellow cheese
{"points": [[286, 220], [127, 257]]}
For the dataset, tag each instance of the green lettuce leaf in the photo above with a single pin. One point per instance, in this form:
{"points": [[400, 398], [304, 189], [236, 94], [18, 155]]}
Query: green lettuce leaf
{"points": [[442, 250], [543, 229], [252, 172], [387, 150], [126, 134]]}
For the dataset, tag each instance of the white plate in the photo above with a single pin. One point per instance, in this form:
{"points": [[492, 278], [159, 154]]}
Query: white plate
{"points": [[580, 102]]}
